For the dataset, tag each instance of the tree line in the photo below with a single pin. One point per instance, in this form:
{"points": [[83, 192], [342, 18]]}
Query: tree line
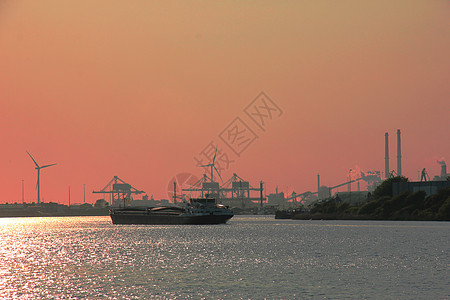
{"points": [[382, 205]]}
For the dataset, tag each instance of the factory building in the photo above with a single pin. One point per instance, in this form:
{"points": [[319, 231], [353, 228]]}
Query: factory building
{"points": [[429, 187], [444, 175]]}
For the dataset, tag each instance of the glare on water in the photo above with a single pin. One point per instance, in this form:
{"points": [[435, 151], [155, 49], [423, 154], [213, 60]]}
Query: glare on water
{"points": [[252, 257]]}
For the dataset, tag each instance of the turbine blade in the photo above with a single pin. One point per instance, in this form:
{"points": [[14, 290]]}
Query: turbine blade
{"points": [[47, 166], [218, 173], [208, 165], [214, 159], [33, 159]]}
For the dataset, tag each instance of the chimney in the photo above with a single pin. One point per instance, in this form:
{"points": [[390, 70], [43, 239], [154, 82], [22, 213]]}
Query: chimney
{"points": [[386, 155], [399, 154], [318, 185]]}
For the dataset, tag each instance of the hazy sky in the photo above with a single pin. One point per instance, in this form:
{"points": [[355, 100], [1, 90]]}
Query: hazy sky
{"points": [[138, 89]]}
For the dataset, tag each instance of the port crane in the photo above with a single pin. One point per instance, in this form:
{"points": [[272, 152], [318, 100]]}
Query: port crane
{"points": [[234, 192], [119, 190]]}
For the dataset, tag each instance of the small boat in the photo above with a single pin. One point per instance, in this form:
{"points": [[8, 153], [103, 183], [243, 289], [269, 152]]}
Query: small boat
{"points": [[198, 211]]}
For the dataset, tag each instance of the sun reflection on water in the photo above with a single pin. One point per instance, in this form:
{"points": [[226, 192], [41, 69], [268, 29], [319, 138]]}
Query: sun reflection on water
{"points": [[252, 257]]}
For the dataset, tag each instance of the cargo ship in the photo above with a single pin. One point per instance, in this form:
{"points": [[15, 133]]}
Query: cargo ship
{"points": [[198, 211]]}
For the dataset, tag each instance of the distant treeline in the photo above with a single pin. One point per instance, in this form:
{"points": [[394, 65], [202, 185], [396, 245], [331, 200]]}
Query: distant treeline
{"points": [[382, 205]]}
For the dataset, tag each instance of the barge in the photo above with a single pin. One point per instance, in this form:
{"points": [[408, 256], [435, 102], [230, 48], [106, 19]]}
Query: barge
{"points": [[198, 211]]}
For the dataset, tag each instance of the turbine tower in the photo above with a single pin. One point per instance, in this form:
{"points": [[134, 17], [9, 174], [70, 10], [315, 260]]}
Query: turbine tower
{"points": [[211, 165], [38, 184]]}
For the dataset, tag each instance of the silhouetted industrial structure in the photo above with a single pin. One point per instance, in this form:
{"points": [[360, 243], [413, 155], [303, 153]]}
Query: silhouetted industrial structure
{"points": [[120, 191], [235, 192], [38, 184]]}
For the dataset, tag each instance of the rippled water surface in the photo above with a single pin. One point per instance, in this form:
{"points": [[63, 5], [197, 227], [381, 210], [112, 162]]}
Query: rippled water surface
{"points": [[251, 257]]}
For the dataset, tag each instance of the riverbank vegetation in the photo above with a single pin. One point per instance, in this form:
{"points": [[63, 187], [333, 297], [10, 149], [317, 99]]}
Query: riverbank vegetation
{"points": [[382, 205]]}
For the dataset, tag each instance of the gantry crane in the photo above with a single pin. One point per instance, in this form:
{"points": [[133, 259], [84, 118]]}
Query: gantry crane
{"points": [[119, 190]]}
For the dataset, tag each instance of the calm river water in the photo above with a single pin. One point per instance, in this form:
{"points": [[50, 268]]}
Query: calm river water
{"points": [[251, 257]]}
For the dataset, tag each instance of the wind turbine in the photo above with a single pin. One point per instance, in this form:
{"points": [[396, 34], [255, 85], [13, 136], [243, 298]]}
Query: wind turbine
{"points": [[38, 184], [213, 166]]}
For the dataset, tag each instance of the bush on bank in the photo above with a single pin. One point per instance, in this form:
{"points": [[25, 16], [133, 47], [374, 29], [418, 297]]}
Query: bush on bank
{"points": [[382, 205]]}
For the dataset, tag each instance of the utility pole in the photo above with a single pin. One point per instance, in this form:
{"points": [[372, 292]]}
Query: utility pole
{"points": [[23, 194], [386, 156], [350, 184], [399, 153]]}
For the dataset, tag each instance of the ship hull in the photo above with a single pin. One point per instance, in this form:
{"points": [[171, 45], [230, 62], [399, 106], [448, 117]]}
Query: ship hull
{"points": [[154, 219]]}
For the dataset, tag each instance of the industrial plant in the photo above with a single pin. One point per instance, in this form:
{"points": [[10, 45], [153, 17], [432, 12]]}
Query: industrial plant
{"points": [[243, 196]]}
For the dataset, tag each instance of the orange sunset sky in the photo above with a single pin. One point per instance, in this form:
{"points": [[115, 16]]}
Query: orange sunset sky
{"points": [[138, 89]]}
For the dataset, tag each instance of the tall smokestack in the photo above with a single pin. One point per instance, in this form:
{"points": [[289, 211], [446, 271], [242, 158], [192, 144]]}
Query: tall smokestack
{"points": [[386, 155], [399, 154], [318, 184]]}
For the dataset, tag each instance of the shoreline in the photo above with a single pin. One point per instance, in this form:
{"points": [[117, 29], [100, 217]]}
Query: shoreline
{"points": [[331, 217], [75, 213]]}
